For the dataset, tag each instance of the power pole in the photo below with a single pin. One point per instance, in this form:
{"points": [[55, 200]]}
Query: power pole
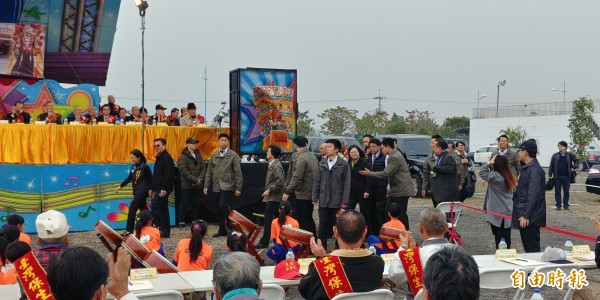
{"points": [[379, 98]]}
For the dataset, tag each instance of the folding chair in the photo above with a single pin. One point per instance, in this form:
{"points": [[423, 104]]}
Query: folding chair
{"points": [[272, 292], [495, 279], [380, 294], [455, 207], [250, 230], [162, 265], [110, 238], [389, 235], [160, 295], [137, 250], [566, 268], [302, 237]]}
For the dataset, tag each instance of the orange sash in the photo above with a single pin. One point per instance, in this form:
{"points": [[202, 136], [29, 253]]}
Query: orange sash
{"points": [[413, 267], [33, 277], [333, 276]]}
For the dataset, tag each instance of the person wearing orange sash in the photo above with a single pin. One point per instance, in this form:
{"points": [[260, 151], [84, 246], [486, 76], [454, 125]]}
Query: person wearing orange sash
{"points": [[50, 116], [148, 235], [432, 225], [193, 254], [18, 115], [78, 116], [106, 116], [346, 270]]}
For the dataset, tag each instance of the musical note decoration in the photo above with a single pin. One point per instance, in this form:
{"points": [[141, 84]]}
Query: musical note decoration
{"points": [[9, 211], [84, 214], [75, 180]]}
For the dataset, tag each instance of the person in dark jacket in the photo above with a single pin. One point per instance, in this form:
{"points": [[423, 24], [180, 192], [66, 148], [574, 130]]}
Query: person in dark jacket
{"points": [[274, 184], [596, 225], [162, 186], [443, 178], [562, 167], [331, 188], [191, 174], [529, 200], [359, 184], [378, 187], [140, 177]]}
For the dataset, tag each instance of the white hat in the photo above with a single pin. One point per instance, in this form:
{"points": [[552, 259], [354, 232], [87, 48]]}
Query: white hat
{"points": [[553, 254], [51, 225]]}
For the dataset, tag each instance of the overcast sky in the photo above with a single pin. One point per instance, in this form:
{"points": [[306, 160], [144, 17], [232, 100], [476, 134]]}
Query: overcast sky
{"points": [[426, 55]]}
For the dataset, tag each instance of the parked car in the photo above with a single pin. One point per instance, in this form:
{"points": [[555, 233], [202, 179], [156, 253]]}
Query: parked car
{"points": [[592, 158], [315, 141], [592, 183], [483, 154], [415, 149]]}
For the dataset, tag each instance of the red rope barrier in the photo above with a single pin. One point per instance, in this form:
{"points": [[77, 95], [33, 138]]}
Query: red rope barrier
{"points": [[577, 235]]}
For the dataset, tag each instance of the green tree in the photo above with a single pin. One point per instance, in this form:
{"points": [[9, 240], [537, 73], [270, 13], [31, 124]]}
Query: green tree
{"points": [[421, 122], [396, 125], [372, 123], [516, 135], [338, 120], [454, 123], [581, 125], [304, 124]]}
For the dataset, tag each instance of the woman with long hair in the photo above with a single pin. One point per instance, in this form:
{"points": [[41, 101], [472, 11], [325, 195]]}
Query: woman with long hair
{"points": [[359, 184], [140, 177], [148, 235], [193, 254], [498, 198]]}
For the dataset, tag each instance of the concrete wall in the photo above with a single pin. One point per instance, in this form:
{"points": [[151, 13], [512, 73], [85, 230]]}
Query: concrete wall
{"points": [[546, 130]]}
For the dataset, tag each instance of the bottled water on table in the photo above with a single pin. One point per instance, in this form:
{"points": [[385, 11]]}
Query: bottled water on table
{"points": [[502, 245], [290, 255], [537, 295], [569, 247]]}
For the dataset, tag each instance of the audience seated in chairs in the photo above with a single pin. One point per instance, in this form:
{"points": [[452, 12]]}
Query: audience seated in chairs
{"points": [[53, 236], [363, 270], [432, 226], [236, 242], [148, 235], [68, 281], [236, 276], [8, 234], [193, 253], [451, 274], [278, 251]]}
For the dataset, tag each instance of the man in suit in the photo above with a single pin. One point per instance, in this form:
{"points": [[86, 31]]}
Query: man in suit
{"points": [[443, 178], [50, 116], [162, 186], [18, 115], [378, 192], [106, 116]]}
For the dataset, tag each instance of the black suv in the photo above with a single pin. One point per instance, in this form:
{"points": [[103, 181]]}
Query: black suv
{"points": [[415, 149]]}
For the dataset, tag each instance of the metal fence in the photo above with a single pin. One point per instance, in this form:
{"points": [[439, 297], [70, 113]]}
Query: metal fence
{"points": [[528, 110]]}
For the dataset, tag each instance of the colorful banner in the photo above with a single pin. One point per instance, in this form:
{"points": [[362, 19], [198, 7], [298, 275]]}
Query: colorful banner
{"points": [[268, 102], [22, 49]]}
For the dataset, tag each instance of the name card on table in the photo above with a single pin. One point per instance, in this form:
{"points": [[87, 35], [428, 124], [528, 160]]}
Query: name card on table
{"points": [[3, 121], [581, 250], [140, 285], [145, 273], [304, 262], [40, 122], [387, 258], [131, 123], [506, 253], [74, 123], [162, 124]]}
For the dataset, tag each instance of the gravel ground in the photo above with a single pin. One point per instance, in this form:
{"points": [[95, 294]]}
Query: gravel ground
{"points": [[476, 234]]}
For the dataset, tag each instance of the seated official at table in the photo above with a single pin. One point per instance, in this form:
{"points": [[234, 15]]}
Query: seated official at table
{"points": [[92, 114], [432, 226], [350, 268], [236, 276], [122, 117], [451, 274], [18, 115], [135, 115], [106, 116], [174, 117], [50, 116], [78, 116], [68, 280]]}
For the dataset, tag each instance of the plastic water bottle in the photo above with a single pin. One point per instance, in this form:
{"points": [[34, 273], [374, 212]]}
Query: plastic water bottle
{"points": [[502, 245], [373, 250], [290, 255], [94, 122], [154, 122], [66, 121], [569, 247], [537, 295]]}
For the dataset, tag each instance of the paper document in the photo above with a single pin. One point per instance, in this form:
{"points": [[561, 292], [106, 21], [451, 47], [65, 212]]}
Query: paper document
{"points": [[523, 262]]}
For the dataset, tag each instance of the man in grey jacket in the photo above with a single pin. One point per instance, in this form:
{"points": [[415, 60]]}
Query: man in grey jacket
{"points": [[529, 200], [274, 184], [513, 160], [224, 178], [299, 184], [396, 171], [331, 188], [191, 172]]}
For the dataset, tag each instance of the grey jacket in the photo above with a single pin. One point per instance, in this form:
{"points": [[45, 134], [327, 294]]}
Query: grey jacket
{"points": [[191, 169], [224, 173], [398, 175], [301, 174], [331, 188], [513, 160], [427, 166], [274, 181], [498, 198], [529, 200]]}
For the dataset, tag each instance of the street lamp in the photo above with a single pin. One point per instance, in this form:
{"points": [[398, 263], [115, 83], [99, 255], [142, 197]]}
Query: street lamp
{"points": [[564, 91], [478, 99], [501, 83], [142, 5], [205, 78]]}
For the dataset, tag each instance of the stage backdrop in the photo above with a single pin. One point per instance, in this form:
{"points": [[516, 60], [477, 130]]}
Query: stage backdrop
{"points": [[85, 193], [263, 108], [22, 48]]}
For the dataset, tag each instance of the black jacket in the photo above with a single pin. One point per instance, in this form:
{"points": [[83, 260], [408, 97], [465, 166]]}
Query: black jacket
{"points": [[142, 181], [529, 200], [359, 182], [164, 172], [572, 162], [597, 250], [378, 166]]}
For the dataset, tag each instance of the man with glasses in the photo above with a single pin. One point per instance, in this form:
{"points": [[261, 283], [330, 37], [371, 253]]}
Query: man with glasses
{"points": [[162, 186]]}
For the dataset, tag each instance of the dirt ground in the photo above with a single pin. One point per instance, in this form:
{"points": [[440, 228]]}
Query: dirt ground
{"points": [[476, 234]]}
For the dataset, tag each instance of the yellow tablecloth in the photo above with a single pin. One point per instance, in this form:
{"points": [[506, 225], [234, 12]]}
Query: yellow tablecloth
{"points": [[64, 144]]}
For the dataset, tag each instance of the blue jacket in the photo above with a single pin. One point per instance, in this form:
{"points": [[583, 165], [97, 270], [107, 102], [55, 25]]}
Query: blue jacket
{"points": [[529, 200]]}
